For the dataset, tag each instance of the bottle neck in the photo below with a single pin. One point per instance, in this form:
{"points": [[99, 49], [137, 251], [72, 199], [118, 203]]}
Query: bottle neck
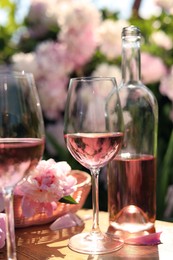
{"points": [[131, 68]]}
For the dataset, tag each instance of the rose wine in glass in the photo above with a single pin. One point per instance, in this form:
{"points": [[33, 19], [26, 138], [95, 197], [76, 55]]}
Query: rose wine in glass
{"points": [[93, 131], [21, 139]]}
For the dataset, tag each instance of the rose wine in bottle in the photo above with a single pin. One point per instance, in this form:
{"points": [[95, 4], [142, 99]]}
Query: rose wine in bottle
{"points": [[132, 174]]}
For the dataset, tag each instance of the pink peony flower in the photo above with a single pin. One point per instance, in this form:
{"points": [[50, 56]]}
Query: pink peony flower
{"points": [[2, 229], [47, 185], [152, 68]]}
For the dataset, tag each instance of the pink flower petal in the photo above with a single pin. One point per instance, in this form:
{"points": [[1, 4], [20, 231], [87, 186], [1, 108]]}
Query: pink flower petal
{"points": [[2, 230], [148, 240], [2, 239], [66, 221], [2, 221]]}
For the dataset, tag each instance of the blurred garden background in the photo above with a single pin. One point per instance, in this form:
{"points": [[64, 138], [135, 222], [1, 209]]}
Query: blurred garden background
{"points": [[60, 39]]}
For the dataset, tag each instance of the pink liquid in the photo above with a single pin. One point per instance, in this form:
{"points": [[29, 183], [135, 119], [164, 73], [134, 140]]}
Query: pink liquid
{"points": [[17, 157], [132, 198], [94, 150]]}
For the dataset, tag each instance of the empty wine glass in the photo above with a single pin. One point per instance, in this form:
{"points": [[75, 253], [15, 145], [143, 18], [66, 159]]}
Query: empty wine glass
{"points": [[21, 140], [93, 131]]}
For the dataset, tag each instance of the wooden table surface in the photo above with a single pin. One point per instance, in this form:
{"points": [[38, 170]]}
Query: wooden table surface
{"points": [[40, 243]]}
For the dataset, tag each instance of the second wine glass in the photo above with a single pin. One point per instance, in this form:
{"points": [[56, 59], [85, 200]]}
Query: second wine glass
{"points": [[21, 140], [93, 131]]}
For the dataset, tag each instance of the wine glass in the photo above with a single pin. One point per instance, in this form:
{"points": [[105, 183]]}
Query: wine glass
{"points": [[93, 132], [21, 139]]}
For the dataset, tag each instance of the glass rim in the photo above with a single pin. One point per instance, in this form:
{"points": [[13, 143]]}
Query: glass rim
{"points": [[14, 73], [91, 78]]}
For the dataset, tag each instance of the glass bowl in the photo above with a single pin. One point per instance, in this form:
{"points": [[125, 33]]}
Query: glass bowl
{"points": [[83, 188]]}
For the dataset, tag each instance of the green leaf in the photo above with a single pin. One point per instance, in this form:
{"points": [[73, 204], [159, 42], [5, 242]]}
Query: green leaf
{"points": [[62, 152], [164, 180], [68, 199]]}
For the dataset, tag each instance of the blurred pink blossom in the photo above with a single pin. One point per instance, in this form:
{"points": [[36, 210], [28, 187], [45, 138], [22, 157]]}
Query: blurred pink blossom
{"points": [[78, 31], [165, 4], [49, 183], [2, 229], [51, 67], [52, 93], [76, 13], [162, 39], [26, 62], [42, 14], [52, 58], [152, 68], [40, 11], [53, 62], [108, 70], [84, 39], [109, 35]]}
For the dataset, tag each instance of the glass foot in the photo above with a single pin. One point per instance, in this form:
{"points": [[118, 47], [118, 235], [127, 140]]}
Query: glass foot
{"points": [[88, 243]]}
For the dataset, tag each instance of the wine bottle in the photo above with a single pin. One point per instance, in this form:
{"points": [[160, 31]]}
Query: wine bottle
{"points": [[132, 174]]}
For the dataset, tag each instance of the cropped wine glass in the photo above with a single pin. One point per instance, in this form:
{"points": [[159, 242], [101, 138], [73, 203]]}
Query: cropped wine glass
{"points": [[21, 140], [93, 131]]}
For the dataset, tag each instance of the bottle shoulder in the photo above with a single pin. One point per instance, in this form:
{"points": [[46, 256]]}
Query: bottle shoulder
{"points": [[132, 85], [135, 91], [136, 98]]}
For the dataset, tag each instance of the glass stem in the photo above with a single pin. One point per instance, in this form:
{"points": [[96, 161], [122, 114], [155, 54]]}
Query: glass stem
{"points": [[95, 200], [10, 234]]}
